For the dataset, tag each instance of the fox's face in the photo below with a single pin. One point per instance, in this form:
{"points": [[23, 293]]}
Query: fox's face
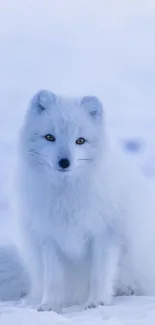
{"points": [[63, 136]]}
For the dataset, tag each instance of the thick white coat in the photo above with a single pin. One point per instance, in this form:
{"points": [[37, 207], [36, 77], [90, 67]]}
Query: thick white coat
{"points": [[82, 232], [70, 220]]}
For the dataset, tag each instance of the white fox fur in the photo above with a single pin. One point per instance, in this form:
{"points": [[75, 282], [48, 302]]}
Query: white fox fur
{"points": [[70, 221], [78, 227]]}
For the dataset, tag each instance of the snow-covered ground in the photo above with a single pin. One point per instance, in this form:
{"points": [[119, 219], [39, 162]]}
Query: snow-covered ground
{"points": [[77, 47], [125, 311]]}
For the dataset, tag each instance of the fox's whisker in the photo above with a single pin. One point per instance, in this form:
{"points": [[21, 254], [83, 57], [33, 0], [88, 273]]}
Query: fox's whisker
{"points": [[89, 159]]}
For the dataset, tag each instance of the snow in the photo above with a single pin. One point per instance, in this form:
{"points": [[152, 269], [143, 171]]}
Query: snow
{"points": [[125, 311], [99, 47]]}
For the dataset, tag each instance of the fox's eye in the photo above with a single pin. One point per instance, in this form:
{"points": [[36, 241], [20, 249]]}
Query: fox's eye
{"points": [[50, 137], [80, 141]]}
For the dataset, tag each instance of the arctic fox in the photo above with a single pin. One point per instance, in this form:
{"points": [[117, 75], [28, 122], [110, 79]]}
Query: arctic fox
{"points": [[84, 225], [71, 214]]}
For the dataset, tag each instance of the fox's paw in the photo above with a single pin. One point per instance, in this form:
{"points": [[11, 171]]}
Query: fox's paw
{"points": [[103, 300], [94, 304], [50, 307]]}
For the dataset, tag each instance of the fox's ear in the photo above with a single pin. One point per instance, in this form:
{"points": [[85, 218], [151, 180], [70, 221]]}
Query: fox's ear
{"points": [[42, 100], [93, 106]]}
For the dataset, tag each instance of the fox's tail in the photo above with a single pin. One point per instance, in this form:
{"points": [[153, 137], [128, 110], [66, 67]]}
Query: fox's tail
{"points": [[14, 282]]}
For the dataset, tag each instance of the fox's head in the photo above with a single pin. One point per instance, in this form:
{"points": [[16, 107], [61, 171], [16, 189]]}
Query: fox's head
{"points": [[63, 135]]}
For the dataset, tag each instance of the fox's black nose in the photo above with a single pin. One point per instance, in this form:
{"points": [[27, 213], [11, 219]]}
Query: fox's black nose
{"points": [[64, 163]]}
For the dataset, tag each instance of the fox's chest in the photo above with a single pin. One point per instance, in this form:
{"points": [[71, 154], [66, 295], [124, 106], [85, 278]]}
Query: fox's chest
{"points": [[74, 227], [70, 220], [72, 240]]}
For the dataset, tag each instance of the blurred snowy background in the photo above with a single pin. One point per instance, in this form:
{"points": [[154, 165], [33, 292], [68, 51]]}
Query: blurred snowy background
{"points": [[106, 48], [80, 47]]}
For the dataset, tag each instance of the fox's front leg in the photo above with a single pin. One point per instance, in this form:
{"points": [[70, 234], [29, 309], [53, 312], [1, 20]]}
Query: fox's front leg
{"points": [[53, 292], [104, 271]]}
